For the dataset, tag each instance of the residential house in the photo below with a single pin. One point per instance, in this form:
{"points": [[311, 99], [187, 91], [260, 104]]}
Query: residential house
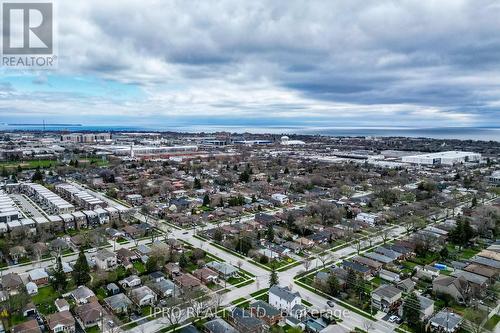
{"points": [[38, 276], [458, 288], [105, 260], [172, 269], [187, 281], [386, 298], [445, 321], [112, 289], [357, 268], [31, 288], [428, 272], [12, 283], [224, 270], [206, 275], [30, 326], [130, 281], [219, 325], [83, 295], [61, 322], [374, 265], [143, 296], [283, 298], [89, 314], [164, 288], [245, 321], [389, 276], [266, 312], [407, 285], [61, 304], [478, 283], [126, 257], [118, 303]]}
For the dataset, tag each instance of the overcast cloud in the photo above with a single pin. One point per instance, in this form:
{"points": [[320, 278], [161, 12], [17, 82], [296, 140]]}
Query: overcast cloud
{"points": [[334, 63]]}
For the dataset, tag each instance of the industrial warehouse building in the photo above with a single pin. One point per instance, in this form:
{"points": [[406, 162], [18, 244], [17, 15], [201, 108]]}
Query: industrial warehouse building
{"points": [[444, 158]]}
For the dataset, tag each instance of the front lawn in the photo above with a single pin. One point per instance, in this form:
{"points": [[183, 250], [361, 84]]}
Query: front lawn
{"points": [[492, 323], [45, 298], [139, 267]]}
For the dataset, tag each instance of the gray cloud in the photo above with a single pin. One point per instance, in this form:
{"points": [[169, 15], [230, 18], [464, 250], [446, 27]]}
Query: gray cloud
{"points": [[292, 59]]}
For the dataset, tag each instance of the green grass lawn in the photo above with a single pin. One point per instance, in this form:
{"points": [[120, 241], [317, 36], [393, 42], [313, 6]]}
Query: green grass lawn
{"points": [[258, 292], [492, 323], [94, 329], [45, 298], [101, 293], [139, 266], [233, 280], [29, 164]]}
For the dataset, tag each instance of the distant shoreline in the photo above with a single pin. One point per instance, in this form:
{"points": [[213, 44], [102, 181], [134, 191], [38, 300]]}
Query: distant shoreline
{"points": [[444, 133], [46, 125]]}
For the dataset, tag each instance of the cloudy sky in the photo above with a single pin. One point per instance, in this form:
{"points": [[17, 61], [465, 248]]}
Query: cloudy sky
{"points": [[314, 63]]}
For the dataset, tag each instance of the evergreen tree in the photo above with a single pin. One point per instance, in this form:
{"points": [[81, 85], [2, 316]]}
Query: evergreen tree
{"points": [[206, 200], [333, 285], [183, 261], [81, 270], [37, 176], [411, 307], [152, 264], [273, 278], [270, 233], [19, 169], [59, 282], [197, 184], [286, 171]]}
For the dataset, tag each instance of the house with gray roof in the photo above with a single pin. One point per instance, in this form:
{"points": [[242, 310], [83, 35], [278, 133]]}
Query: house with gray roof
{"points": [[283, 298], [224, 270], [446, 321], [219, 325], [118, 303], [386, 298]]}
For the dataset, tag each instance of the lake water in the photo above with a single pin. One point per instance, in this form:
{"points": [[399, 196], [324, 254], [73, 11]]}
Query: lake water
{"points": [[462, 133]]}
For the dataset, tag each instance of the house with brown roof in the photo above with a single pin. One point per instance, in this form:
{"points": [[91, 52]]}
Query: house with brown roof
{"points": [[458, 288], [30, 326], [12, 282], [488, 272], [89, 314], [126, 257], [61, 322], [187, 281], [374, 265], [172, 269], [206, 275]]}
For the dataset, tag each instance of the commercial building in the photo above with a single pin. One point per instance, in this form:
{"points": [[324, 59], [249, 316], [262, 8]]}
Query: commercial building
{"points": [[444, 158], [495, 177], [86, 137]]}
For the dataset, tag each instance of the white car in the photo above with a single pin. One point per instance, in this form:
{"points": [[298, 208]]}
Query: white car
{"points": [[393, 319]]}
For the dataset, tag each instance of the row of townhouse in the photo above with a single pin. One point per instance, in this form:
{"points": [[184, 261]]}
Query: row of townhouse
{"points": [[67, 221], [8, 210], [50, 202], [80, 197]]}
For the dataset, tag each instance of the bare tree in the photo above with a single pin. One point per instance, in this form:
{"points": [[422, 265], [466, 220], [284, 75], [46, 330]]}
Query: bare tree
{"points": [[324, 257], [306, 262], [368, 325]]}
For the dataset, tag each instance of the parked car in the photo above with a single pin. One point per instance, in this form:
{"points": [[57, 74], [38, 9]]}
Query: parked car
{"points": [[331, 304], [393, 319]]}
